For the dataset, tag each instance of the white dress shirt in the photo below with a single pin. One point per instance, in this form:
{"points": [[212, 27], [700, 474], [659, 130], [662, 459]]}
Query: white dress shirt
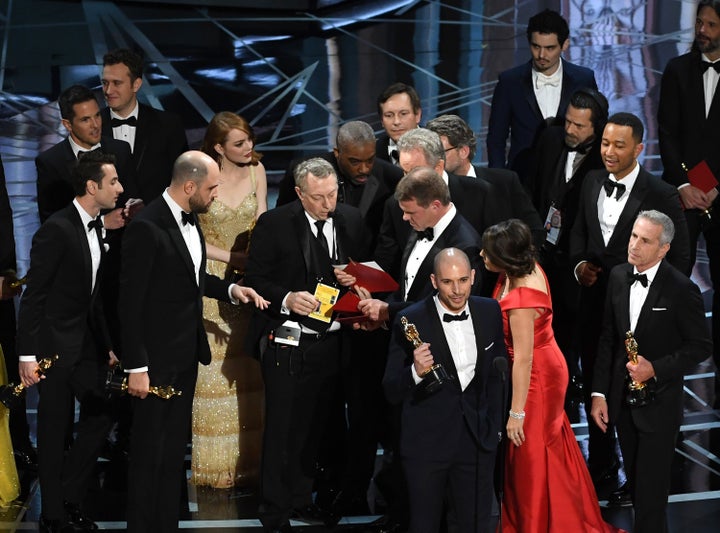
{"points": [[125, 132], [548, 90], [638, 294], [710, 81], [610, 208], [76, 148]]}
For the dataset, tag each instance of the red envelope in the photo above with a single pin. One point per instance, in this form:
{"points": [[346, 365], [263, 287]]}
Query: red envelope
{"points": [[347, 306], [373, 279], [702, 177]]}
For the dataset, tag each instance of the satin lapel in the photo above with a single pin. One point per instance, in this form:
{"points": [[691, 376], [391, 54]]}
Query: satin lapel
{"points": [[173, 230], [412, 239], [303, 235], [369, 189], [624, 311], [341, 237], [441, 351], [627, 217], [530, 92], [592, 207], [480, 340], [651, 301], [81, 233], [142, 135]]}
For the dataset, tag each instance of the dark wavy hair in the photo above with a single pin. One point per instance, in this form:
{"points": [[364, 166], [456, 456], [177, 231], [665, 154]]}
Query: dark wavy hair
{"points": [[509, 246]]}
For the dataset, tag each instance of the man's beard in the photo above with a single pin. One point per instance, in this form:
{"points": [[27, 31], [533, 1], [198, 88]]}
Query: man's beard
{"points": [[707, 45], [197, 206]]}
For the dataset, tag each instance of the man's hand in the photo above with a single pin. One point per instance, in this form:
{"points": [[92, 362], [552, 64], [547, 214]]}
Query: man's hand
{"points": [[132, 207], [248, 294], [112, 359], [29, 375], [599, 412], [587, 273], [344, 279], [301, 302], [139, 384], [642, 371], [6, 291], [376, 310], [422, 359], [114, 219], [694, 198]]}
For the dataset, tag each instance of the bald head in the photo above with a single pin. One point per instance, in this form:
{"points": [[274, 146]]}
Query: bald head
{"points": [[453, 277], [194, 181], [193, 165], [451, 257]]}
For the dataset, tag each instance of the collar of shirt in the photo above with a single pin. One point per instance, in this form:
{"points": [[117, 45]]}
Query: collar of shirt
{"points": [[441, 310], [133, 113], [76, 148], [84, 215], [444, 222], [175, 209], [650, 273], [460, 337], [540, 77], [638, 295], [628, 181], [471, 172]]}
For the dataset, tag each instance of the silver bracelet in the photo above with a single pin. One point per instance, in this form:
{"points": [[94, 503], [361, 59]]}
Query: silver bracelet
{"points": [[517, 416]]}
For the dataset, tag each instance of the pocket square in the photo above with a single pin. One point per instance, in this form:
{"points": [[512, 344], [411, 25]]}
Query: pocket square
{"points": [[489, 346], [659, 308]]}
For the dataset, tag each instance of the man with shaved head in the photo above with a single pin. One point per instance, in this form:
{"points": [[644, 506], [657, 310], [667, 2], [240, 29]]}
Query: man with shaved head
{"points": [[162, 283], [449, 437]]}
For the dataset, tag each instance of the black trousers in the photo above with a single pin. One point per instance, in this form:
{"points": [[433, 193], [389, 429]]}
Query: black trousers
{"points": [[298, 384]]}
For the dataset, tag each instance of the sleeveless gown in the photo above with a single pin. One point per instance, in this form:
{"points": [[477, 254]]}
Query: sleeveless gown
{"points": [[9, 483], [547, 484], [227, 417]]}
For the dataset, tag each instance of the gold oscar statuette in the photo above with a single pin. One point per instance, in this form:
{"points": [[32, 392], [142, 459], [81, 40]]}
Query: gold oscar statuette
{"points": [[436, 375], [10, 394], [638, 394], [116, 384]]}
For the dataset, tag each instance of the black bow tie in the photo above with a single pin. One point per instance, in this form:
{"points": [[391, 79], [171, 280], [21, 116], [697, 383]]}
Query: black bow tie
{"points": [[95, 223], [427, 233], [704, 65], [581, 148], [130, 121], [447, 317], [187, 218], [609, 185], [642, 278], [395, 155]]}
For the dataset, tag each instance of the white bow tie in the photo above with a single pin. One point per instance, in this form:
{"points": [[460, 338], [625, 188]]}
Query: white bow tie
{"points": [[552, 81]]}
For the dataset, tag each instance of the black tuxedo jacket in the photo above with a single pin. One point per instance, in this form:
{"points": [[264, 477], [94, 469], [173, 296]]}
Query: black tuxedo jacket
{"points": [[459, 234], [159, 140], [649, 192], [546, 179], [160, 303], [431, 425], [509, 199], [280, 258], [54, 174], [60, 312], [473, 199], [685, 134], [515, 111], [381, 148], [378, 188], [671, 333]]}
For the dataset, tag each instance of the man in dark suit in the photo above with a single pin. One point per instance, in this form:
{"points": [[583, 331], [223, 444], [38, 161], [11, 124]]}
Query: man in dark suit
{"points": [[81, 117], [561, 160], [400, 111], [449, 438], [61, 314], [609, 202], [156, 138], [688, 118], [471, 197], [531, 94], [664, 312], [291, 258], [162, 283], [509, 198], [364, 180]]}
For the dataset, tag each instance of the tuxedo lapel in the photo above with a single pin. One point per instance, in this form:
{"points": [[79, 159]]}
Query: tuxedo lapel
{"points": [[142, 136], [632, 206], [480, 340], [341, 237], [591, 207], [645, 319], [624, 295], [173, 230], [527, 87], [440, 351], [303, 235], [81, 233], [412, 239], [369, 189]]}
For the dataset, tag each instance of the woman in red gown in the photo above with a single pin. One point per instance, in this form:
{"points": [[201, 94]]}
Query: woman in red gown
{"points": [[547, 485]]}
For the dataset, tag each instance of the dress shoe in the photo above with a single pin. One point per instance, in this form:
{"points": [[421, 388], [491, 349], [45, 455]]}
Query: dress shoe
{"points": [[76, 517], [620, 497], [57, 526], [604, 473]]}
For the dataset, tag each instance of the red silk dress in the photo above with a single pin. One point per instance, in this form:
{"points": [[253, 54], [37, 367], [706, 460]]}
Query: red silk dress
{"points": [[547, 484]]}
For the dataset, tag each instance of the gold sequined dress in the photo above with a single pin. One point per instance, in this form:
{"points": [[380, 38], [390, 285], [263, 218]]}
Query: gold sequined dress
{"points": [[9, 483], [228, 405]]}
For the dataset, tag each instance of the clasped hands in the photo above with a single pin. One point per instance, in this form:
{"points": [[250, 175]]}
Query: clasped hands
{"points": [[694, 198], [587, 273]]}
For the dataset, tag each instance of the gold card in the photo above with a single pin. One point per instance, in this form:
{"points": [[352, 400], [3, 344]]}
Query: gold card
{"points": [[327, 296]]}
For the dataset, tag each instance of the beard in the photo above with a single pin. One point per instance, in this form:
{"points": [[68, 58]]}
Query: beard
{"points": [[706, 46], [197, 206]]}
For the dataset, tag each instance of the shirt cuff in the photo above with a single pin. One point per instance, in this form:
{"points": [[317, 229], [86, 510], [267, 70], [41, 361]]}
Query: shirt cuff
{"points": [[417, 379], [683, 185], [136, 370], [597, 395], [283, 308], [233, 300], [575, 270], [28, 359]]}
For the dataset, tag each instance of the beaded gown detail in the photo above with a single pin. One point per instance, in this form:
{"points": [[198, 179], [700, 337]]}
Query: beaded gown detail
{"points": [[9, 483], [547, 485], [228, 405]]}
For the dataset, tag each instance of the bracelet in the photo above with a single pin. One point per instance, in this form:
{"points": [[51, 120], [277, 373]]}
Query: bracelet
{"points": [[517, 416]]}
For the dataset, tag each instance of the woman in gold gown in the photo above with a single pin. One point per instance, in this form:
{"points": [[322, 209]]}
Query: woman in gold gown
{"points": [[228, 406], [9, 483]]}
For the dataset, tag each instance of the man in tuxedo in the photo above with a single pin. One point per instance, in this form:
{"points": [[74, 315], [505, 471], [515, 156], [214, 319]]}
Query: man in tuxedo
{"points": [[688, 118], [364, 180], [291, 258], [162, 283], [507, 192], [449, 438], [530, 95], [61, 314], [562, 158], [156, 137], [81, 117], [664, 311], [609, 201], [400, 111]]}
